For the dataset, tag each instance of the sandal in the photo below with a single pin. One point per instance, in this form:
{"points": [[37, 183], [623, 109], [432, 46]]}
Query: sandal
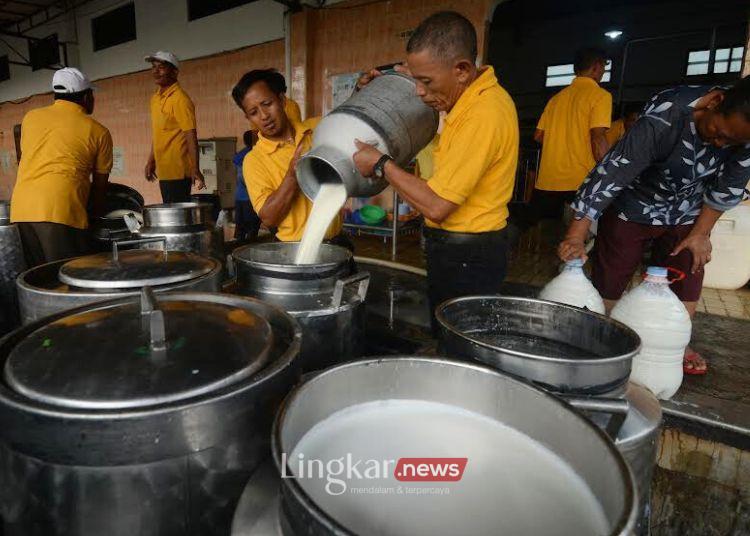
{"points": [[691, 361]]}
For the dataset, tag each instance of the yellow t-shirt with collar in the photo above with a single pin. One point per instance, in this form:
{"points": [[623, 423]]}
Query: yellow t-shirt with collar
{"points": [[264, 169], [172, 114], [476, 157], [567, 121], [61, 146]]}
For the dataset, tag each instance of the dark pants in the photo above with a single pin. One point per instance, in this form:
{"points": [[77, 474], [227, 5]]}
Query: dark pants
{"points": [[246, 221], [45, 242], [619, 248], [176, 191], [463, 264], [544, 205]]}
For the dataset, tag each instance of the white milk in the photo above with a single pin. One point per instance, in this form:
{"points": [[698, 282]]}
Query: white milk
{"points": [[664, 326], [572, 287], [331, 197], [511, 484]]}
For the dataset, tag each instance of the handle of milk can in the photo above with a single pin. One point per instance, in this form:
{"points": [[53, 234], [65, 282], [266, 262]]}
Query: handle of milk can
{"points": [[132, 222], [363, 278], [117, 243], [617, 408]]}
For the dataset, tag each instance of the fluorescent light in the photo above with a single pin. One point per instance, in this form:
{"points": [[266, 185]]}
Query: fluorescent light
{"points": [[613, 34]]}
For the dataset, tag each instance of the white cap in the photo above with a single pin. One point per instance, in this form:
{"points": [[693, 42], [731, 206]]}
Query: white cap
{"points": [[70, 80], [163, 55]]}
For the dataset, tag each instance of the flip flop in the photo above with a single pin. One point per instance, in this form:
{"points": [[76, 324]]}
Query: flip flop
{"points": [[692, 357]]}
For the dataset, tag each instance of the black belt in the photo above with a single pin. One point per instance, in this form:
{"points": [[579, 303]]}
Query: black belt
{"points": [[450, 237]]}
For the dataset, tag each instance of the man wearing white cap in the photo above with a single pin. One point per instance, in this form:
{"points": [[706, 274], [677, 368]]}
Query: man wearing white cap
{"points": [[62, 148], [174, 149]]}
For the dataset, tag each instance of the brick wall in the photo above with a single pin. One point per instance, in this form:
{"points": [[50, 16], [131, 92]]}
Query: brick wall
{"points": [[324, 43]]}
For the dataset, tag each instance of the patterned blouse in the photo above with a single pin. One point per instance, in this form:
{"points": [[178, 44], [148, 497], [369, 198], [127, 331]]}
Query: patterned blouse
{"points": [[661, 172]]}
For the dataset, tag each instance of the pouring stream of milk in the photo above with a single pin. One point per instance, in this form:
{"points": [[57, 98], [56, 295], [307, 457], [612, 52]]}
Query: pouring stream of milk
{"points": [[331, 197]]}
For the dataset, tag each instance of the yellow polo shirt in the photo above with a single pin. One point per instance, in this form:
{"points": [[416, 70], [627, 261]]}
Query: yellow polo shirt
{"points": [[476, 157], [615, 132], [172, 114], [61, 146], [264, 169], [567, 122]]}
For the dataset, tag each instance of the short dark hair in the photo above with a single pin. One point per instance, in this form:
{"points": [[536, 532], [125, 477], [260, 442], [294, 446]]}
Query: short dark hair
{"points": [[280, 80], [448, 34], [587, 57], [269, 76], [247, 138], [737, 99], [73, 97]]}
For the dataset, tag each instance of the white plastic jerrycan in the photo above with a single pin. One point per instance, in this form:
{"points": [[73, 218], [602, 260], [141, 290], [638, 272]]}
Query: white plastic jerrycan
{"points": [[663, 324], [572, 287]]}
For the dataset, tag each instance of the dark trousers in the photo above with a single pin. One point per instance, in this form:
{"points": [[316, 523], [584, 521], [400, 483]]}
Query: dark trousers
{"points": [[246, 221], [45, 242], [463, 264], [543, 205], [176, 191]]}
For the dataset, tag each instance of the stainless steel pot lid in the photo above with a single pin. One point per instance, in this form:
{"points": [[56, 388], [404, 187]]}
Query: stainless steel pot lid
{"points": [[133, 269], [140, 353], [280, 256]]}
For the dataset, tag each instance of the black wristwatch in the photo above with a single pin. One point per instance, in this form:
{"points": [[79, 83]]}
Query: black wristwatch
{"points": [[378, 171]]}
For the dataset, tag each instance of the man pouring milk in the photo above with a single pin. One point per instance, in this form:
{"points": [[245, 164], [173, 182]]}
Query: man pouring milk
{"points": [[269, 168], [465, 200], [666, 182]]}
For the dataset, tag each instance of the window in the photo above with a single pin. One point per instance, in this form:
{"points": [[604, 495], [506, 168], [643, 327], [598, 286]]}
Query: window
{"points": [[563, 75], [198, 9], [726, 60], [114, 27]]}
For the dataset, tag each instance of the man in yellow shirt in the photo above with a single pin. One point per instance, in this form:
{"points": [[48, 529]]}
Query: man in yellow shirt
{"points": [[62, 149], [465, 201], [174, 150], [572, 131], [269, 168], [630, 114]]}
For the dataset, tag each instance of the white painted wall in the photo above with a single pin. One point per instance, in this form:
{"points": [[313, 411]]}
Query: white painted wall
{"points": [[160, 25]]}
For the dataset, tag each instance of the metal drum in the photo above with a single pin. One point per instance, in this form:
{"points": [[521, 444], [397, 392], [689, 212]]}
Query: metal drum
{"points": [[12, 263], [185, 227], [565, 350], [140, 415], [328, 303], [386, 112], [504, 436], [66, 284]]}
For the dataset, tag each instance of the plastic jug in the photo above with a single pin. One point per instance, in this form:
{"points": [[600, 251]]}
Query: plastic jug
{"points": [[572, 287], [663, 324]]}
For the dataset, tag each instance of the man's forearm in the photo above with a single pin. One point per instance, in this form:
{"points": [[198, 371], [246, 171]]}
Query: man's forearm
{"points": [[417, 193], [191, 139], [599, 144], [706, 221], [279, 203], [99, 193]]}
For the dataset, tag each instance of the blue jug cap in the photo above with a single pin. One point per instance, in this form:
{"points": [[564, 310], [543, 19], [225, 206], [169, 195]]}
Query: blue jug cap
{"points": [[575, 263], [657, 271]]}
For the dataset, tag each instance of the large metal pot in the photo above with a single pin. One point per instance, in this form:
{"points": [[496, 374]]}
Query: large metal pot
{"points": [[566, 350], [556, 346], [140, 416], [386, 112], [185, 227], [12, 263], [119, 200], [369, 410], [42, 291], [327, 301]]}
